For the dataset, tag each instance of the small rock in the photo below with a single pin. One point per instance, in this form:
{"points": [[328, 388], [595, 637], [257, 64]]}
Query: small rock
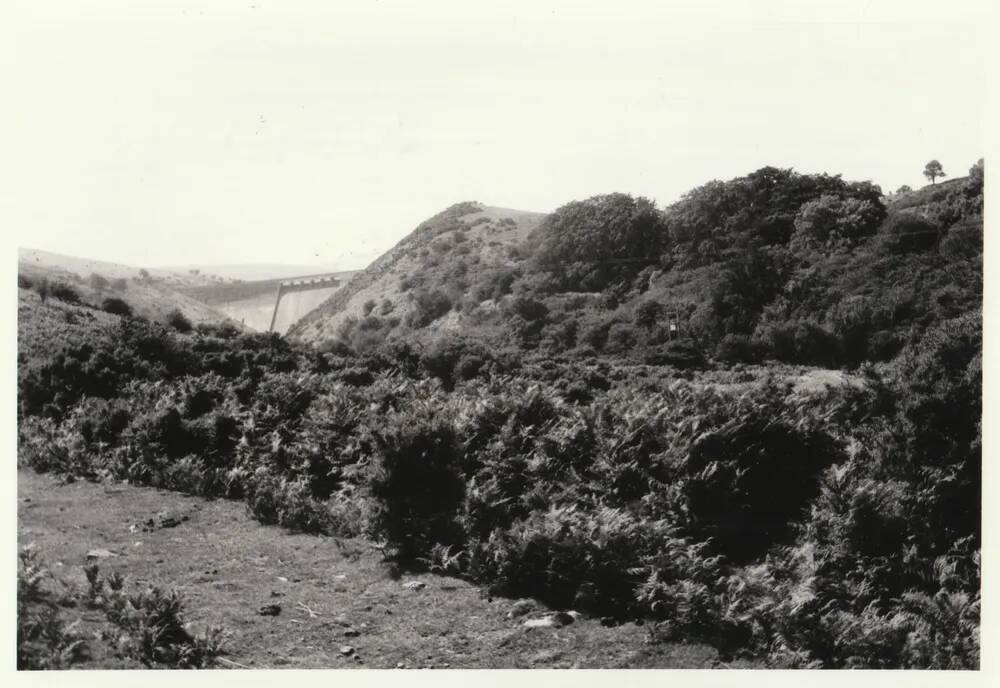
{"points": [[346, 650], [270, 610], [282, 579], [415, 585], [609, 621], [520, 608], [553, 620], [275, 593], [352, 633], [100, 554]]}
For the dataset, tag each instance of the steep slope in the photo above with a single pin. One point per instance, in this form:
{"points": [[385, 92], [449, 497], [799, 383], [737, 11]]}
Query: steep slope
{"points": [[428, 273]]}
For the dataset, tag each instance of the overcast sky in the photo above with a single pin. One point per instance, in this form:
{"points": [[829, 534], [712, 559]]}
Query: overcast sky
{"points": [[280, 132]]}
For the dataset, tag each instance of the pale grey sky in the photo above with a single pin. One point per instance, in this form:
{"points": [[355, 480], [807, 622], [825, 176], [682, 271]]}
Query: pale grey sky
{"points": [[180, 132]]}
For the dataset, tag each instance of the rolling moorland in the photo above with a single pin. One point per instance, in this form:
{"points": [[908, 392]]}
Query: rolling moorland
{"points": [[152, 294], [749, 421]]}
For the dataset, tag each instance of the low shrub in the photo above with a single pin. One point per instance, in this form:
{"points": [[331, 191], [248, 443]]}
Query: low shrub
{"points": [[180, 322], [116, 307]]}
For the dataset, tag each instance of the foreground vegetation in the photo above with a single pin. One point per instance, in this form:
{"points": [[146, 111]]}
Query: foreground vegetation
{"points": [[839, 529], [145, 626]]}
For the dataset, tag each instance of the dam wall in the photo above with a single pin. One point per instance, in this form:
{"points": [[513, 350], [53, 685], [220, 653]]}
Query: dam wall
{"points": [[253, 303]]}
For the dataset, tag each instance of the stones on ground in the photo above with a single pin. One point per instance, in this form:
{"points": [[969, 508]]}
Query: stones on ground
{"points": [[415, 585], [553, 620], [100, 554], [347, 650], [270, 610], [609, 621], [352, 633], [400, 665], [163, 519]]}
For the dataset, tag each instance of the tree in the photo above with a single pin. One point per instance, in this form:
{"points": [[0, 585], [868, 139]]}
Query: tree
{"points": [[905, 188], [647, 314], [933, 170], [975, 182]]}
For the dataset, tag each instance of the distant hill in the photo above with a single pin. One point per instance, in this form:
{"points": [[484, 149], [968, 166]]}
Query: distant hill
{"points": [[151, 293], [776, 265], [34, 258]]}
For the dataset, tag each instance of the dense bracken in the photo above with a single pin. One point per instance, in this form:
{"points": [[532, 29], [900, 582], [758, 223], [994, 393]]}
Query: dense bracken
{"points": [[835, 529]]}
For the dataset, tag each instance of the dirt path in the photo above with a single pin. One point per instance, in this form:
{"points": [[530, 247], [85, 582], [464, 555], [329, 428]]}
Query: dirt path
{"points": [[229, 566]]}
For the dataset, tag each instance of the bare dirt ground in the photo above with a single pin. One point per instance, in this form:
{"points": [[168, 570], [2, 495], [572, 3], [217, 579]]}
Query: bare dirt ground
{"points": [[339, 605]]}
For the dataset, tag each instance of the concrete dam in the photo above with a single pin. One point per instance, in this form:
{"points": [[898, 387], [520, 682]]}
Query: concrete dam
{"points": [[271, 305]]}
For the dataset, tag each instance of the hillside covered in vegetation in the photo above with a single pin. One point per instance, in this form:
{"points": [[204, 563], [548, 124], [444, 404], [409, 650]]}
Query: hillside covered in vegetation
{"points": [[776, 265]]}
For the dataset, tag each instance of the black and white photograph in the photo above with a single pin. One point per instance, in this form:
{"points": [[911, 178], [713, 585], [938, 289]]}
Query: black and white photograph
{"points": [[409, 336]]}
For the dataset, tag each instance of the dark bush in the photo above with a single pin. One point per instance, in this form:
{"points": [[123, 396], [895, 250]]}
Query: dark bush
{"points": [[415, 483], [737, 348], [180, 322], [679, 354], [751, 479], [116, 307], [907, 232], [428, 307], [63, 292]]}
